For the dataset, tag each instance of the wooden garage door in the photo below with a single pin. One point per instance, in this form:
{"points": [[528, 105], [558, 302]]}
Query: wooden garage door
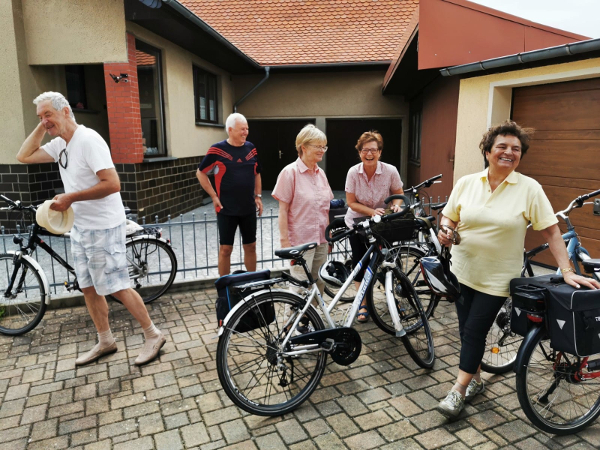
{"points": [[565, 152]]}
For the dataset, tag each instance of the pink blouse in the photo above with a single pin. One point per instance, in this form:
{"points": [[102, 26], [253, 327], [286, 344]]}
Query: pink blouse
{"points": [[308, 194], [371, 193]]}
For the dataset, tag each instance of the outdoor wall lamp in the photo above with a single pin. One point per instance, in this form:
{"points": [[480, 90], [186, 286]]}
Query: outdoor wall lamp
{"points": [[123, 77]]}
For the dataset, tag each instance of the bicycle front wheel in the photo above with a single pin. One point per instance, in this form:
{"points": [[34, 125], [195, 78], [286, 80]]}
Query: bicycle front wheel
{"points": [[256, 371], [152, 266], [23, 307], [551, 390], [409, 259], [501, 345], [418, 339]]}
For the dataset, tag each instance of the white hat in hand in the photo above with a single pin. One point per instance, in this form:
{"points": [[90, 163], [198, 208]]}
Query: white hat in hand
{"points": [[56, 222]]}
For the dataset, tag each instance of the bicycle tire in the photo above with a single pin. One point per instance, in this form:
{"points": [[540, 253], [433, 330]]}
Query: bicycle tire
{"points": [[152, 267], [418, 339], [24, 310], [251, 368], [501, 344], [409, 258], [559, 408], [350, 293]]}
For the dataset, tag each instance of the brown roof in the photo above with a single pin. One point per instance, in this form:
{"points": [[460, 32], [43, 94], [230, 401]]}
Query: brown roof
{"points": [[284, 32]]}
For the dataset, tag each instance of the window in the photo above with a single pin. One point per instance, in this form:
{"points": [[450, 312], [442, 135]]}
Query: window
{"points": [[76, 87], [416, 119], [205, 96], [149, 72]]}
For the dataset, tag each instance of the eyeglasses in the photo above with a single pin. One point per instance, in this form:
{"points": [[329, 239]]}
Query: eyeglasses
{"points": [[364, 151], [60, 158], [318, 147]]}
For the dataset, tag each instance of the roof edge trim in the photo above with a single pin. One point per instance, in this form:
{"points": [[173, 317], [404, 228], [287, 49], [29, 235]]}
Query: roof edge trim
{"points": [[558, 51], [413, 27], [189, 15]]}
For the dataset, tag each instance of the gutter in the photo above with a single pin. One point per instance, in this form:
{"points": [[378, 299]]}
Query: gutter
{"points": [[187, 14], [575, 48], [236, 104]]}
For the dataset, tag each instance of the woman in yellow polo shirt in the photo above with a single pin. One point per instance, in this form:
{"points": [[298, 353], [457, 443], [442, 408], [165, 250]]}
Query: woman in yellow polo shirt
{"points": [[491, 210]]}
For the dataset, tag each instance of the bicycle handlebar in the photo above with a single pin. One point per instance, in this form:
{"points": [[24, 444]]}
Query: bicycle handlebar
{"points": [[404, 198], [426, 183], [578, 202]]}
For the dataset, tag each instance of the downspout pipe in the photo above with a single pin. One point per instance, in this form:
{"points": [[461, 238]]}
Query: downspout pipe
{"points": [[574, 48], [265, 78], [187, 14]]}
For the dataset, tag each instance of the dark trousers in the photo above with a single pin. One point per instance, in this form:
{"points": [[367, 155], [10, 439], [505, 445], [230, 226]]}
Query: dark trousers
{"points": [[476, 313], [359, 248]]}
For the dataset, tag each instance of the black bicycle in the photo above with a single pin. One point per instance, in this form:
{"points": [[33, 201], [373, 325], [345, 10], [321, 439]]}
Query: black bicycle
{"points": [[25, 289]]}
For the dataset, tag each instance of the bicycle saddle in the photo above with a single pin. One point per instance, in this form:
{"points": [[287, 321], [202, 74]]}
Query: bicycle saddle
{"points": [[294, 252], [591, 265]]}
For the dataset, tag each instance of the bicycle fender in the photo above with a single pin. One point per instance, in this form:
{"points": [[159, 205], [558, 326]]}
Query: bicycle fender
{"points": [[520, 363], [37, 267], [245, 299], [147, 236]]}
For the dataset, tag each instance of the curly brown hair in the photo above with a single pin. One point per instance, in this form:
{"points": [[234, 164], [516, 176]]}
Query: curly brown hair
{"points": [[369, 136], [507, 128]]}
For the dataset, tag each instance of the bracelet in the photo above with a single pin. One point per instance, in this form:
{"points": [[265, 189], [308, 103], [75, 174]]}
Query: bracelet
{"points": [[567, 269]]}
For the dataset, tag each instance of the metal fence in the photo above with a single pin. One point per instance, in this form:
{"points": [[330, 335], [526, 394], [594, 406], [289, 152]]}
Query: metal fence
{"points": [[195, 242]]}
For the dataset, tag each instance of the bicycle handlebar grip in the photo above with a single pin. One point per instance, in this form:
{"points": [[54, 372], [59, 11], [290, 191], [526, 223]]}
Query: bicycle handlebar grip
{"points": [[338, 236], [397, 197], [590, 195], [437, 177]]}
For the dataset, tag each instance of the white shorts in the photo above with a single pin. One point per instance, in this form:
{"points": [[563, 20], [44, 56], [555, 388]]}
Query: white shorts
{"points": [[100, 259]]}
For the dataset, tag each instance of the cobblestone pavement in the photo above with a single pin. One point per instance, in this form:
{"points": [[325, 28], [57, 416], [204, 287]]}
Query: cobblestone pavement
{"points": [[382, 401]]}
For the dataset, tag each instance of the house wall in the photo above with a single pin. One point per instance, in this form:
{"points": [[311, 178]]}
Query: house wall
{"points": [[184, 137], [322, 96], [486, 100], [74, 31]]}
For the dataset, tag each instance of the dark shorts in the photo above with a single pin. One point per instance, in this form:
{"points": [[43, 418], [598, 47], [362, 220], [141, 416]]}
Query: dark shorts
{"points": [[228, 225]]}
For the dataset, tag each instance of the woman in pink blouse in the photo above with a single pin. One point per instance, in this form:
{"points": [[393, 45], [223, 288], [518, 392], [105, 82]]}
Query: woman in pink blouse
{"points": [[304, 195], [367, 185]]}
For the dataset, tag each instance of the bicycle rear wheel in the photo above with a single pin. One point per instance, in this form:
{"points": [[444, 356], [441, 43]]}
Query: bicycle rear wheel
{"points": [[418, 340], [23, 307], [501, 345], [253, 367], [152, 266], [550, 389]]}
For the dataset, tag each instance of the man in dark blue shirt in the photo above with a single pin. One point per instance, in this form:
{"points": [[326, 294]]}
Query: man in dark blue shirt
{"points": [[236, 195]]}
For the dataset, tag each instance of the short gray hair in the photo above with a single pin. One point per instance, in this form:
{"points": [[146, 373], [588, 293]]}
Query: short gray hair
{"points": [[57, 99], [232, 119], [308, 135]]}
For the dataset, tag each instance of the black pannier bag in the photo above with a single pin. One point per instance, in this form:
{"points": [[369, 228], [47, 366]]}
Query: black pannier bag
{"points": [[526, 299], [229, 295], [573, 315]]}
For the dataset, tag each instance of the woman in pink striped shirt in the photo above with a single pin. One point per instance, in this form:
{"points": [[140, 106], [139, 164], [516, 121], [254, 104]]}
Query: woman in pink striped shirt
{"points": [[367, 185], [304, 195]]}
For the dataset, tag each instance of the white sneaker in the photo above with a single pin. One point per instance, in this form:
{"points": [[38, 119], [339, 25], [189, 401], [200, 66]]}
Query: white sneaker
{"points": [[452, 405], [474, 388]]}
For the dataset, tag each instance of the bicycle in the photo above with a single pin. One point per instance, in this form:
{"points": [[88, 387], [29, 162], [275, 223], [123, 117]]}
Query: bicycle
{"points": [[502, 344], [152, 266], [266, 369]]}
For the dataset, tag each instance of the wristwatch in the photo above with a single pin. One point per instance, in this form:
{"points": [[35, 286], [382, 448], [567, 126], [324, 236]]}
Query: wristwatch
{"points": [[258, 195]]}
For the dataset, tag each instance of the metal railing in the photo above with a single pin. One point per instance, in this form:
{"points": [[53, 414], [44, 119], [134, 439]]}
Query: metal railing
{"points": [[195, 242]]}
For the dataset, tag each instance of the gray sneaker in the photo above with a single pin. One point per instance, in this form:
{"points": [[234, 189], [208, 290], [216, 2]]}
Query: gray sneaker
{"points": [[452, 405], [473, 389]]}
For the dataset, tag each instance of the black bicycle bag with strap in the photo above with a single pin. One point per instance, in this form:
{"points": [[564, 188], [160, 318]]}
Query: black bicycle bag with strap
{"points": [[230, 295], [572, 315]]}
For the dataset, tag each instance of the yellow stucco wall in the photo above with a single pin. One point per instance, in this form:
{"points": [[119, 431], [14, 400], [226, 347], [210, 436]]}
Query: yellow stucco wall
{"points": [[74, 31], [486, 100], [184, 137], [322, 96]]}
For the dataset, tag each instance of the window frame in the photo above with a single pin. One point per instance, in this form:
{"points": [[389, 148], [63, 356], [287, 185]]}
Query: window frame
{"points": [[211, 81]]}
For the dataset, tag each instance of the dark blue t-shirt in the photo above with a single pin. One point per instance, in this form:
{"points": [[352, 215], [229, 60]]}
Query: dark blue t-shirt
{"points": [[235, 169]]}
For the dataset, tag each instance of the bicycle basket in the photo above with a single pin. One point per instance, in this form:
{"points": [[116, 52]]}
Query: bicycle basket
{"points": [[402, 229]]}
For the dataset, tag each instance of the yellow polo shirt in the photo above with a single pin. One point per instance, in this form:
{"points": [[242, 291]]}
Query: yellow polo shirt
{"points": [[492, 226]]}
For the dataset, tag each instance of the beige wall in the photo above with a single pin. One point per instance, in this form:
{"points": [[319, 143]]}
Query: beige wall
{"points": [[486, 100], [74, 31], [322, 96], [184, 137]]}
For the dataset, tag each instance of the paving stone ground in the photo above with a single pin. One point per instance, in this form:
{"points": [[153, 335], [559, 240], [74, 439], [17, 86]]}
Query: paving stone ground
{"points": [[382, 401]]}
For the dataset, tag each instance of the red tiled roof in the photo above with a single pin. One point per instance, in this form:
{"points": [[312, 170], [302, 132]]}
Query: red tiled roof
{"points": [[284, 32]]}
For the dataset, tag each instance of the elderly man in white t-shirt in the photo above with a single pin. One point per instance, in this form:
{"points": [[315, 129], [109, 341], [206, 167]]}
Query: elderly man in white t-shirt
{"points": [[92, 188]]}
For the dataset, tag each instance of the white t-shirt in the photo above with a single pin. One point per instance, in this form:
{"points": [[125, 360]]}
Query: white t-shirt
{"points": [[87, 153]]}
